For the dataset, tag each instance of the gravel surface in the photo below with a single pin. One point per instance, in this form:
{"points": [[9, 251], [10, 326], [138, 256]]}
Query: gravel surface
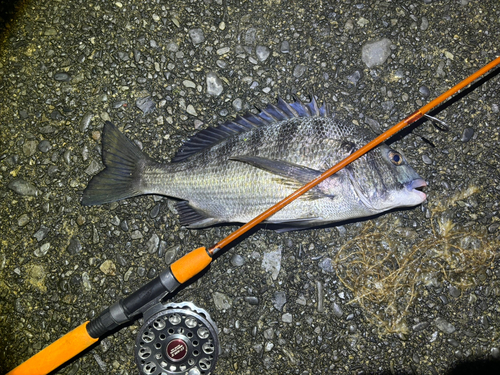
{"points": [[412, 291]]}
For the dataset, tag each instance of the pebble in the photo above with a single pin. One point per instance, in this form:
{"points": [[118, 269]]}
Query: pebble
{"points": [[271, 262], [285, 47], [23, 188], [337, 310], [237, 260], [252, 300], [262, 53], [42, 250], [299, 70], [154, 212], [171, 254], [196, 36], [189, 84], [426, 159], [354, 77], [190, 109], [108, 268], [23, 220], [44, 146], [172, 46], [376, 53], [454, 291], [467, 134], [214, 84], [74, 246], [444, 325], [146, 105], [62, 76], [221, 301], [29, 148], [152, 244], [136, 235], [237, 104], [424, 90], [326, 265], [425, 24], [85, 122], [287, 318], [279, 300], [41, 233], [223, 51]]}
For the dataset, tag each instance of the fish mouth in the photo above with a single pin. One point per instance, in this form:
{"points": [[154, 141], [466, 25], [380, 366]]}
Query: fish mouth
{"points": [[415, 186]]}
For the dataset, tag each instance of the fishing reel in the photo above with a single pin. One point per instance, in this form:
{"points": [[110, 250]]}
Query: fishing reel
{"points": [[177, 339]]}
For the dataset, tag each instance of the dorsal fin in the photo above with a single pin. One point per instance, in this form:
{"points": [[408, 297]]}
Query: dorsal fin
{"points": [[271, 114]]}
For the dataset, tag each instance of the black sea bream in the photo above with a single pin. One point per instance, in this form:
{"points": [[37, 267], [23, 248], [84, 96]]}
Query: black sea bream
{"points": [[235, 171]]}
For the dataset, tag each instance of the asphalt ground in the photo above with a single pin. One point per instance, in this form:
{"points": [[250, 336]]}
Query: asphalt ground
{"points": [[411, 291]]}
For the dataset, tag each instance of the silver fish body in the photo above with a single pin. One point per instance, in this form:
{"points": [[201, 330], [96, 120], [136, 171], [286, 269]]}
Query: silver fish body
{"points": [[237, 170]]}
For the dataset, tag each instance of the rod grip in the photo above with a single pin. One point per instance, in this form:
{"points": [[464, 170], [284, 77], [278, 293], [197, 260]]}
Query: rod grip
{"points": [[57, 353], [190, 264]]}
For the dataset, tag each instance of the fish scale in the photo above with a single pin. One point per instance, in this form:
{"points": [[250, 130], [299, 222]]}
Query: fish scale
{"points": [[233, 172]]}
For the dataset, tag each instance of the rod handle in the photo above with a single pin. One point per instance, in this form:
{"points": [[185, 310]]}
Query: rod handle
{"points": [[190, 264], [57, 353]]}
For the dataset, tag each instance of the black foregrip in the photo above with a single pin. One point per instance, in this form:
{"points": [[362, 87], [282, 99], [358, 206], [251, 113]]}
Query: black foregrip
{"points": [[131, 306], [101, 325]]}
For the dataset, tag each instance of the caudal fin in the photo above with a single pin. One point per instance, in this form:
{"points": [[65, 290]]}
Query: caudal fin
{"points": [[124, 163]]}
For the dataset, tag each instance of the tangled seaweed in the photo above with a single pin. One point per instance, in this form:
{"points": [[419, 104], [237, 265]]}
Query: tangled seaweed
{"points": [[384, 273]]}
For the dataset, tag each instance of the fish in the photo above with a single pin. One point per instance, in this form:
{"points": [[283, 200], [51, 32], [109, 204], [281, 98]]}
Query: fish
{"points": [[232, 172]]}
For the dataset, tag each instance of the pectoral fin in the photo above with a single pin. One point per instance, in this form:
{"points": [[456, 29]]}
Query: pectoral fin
{"points": [[291, 174]]}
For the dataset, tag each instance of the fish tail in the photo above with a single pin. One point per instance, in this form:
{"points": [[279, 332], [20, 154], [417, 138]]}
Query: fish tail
{"points": [[121, 178]]}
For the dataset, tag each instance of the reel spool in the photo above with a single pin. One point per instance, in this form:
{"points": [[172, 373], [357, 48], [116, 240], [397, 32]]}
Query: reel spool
{"points": [[177, 339]]}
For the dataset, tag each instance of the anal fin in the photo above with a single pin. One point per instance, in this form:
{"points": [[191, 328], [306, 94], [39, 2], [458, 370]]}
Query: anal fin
{"points": [[191, 218]]}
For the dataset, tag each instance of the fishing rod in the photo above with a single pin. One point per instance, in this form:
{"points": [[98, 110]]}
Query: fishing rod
{"points": [[145, 300]]}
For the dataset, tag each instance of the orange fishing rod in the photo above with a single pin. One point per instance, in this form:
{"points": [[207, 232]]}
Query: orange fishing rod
{"points": [[130, 307]]}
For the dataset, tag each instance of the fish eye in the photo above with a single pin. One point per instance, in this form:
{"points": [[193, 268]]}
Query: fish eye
{"points": [[395, 157]]}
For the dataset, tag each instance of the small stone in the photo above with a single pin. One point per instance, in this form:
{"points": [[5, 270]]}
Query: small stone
{"points": [[108, 268], [376, 53], [285, 47], [23, 220], [279, 300], [444, 326], [189, 84], [299, 70], [237, 260], [425, 24], [190, 109], [146, 105], [271, 262], [424, 91], [426, 159], [41, 233], [24, 188], [62, 76], [221, 301], [262, 53], [223, 51], [196, 36], [29, 148], [237, 104], [214, 84], [74, 246], [136, 235], [44, 146], [326, 265], [43, 250], [172, 46], [86, 119], [252, 300], [467, 134], [337, 310], [152, 244], [287, 318]]}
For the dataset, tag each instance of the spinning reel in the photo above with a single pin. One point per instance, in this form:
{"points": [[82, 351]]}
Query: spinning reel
{"points": [[177, 339]]}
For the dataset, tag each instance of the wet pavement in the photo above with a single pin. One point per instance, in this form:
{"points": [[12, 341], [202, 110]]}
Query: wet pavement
{"points": [[412, 291]]}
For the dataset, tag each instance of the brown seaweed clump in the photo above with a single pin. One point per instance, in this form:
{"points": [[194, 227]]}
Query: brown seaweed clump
{"points": [[386, 265]]}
